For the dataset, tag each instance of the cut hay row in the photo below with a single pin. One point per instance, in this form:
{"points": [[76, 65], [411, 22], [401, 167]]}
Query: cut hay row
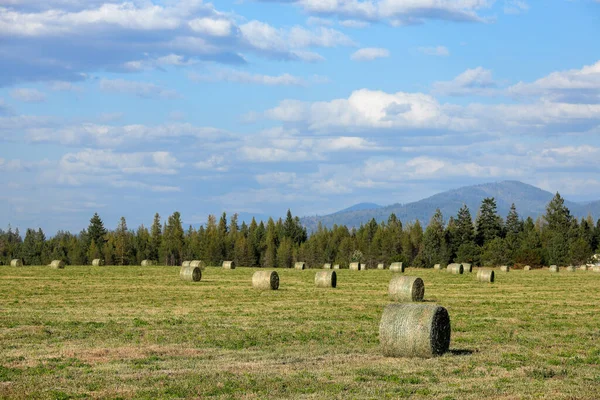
{"points": [[300, 265], [455, 268], [228, 265], [485, 275], [57, 264], [265, 280], [97, 262], [326, 279], [397, 267], [414, 330], [190, 274], [17, 262], [406, 288], [355, 266]]}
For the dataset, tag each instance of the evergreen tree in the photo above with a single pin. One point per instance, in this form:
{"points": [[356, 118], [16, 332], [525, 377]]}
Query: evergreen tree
{"points": [[122, 243], [433, 240], [155, 239], [464, 226], [489, 223], [96, 231]]}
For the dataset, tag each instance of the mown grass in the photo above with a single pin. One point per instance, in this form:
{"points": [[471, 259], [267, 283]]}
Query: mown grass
{"points": [[133, 332]]}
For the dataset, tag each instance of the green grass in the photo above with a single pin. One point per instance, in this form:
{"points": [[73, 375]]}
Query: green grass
{"points": [[133, 332]]}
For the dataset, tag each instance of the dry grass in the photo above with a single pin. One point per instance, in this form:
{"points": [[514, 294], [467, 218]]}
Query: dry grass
{"points": [[133, 332]]}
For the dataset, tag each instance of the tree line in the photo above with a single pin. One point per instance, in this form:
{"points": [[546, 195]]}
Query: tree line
{"points": [[554, 238]]}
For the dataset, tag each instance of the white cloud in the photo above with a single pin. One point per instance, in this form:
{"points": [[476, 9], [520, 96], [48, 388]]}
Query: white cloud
{"points": [[213, 163], [140, 89], [477, 81], [276, 178], [28, 95], [319, 21], [351, 23], [440, 51], [212, 27], [515, 6], [230, 75], [369, 54]]}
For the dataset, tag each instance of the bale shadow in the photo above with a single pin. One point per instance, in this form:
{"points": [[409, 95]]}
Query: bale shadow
{"points": [[461, 352]]}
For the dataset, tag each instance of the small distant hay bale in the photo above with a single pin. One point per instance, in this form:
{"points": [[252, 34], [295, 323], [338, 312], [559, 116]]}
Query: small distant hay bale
{"points": [[583, 267], [57, 264], [300, 265], [527, 268], [186, 264], [486, 275], [228, 265], [190, 274], [96, 262], [406, 288], [596, 268], [355, 266], [414, 330], [17, 262], [381, 266], [327, 266], [147, 263], [437, 266], [198, 263], [467, 267], [570, 268], [336, 266], [326, 279], [265, 280], [397, 267], [553, 268], [456, 269], [505, 268]]}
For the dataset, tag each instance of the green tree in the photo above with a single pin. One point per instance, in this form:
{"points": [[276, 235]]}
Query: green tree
{"points": [[96, 231], [155, 239], [464, 226], [433, 240], [489, 223]]}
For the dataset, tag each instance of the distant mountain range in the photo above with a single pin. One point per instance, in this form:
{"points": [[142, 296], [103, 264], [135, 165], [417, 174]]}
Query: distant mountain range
{"points": [[529, 200]]}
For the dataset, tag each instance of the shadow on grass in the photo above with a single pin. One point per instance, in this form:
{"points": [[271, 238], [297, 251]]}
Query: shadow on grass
{"points": [[461, 352]]}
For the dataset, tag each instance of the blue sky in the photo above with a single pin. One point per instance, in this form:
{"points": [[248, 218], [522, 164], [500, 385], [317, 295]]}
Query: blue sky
{"points": [[257, 106]]}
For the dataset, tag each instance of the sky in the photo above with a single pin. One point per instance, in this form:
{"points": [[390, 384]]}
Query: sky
{"points": [[257, 106]]}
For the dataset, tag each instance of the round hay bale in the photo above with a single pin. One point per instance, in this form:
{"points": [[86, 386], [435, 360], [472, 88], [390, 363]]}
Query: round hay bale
{"points": [[505, 268], [527, 268], [96, 262], [190, 274], [406, 288], [326, 266], [467, 267], [198, 263], [437, 266], [414, 330], [57, 264], [456, 269], [326, 279], [147, 263], [485, 275], [355, 266], [17, 262], [571, 268], [186, 264], [265, 280], [596, 268], [583, 267], [300, 265], [381, 266], [553, 268], [397, 267], [228, 265], [336, 266]]}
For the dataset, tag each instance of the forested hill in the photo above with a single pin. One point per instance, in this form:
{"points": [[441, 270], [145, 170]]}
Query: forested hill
{"points": [[529, 200]]}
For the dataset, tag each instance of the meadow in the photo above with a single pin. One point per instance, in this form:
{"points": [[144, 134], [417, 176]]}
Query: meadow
{"points": [[141, 332]]}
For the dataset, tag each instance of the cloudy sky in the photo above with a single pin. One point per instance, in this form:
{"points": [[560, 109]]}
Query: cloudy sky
{"points": [[256, 106]]}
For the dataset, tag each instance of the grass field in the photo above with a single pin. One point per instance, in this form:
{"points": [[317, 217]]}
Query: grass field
{"points": [[133, 332]]}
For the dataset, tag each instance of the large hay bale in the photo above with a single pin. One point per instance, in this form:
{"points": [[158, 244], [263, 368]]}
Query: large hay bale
{"points": [[190, 274], [147, 263], [486, 275], [406, 288], [553, 268], [186, 264], [437, 266], [570, 268], [527, 268], [265, 280], [327, 266], [228, 265], [381, 266], [57, 264], [326, 279], [198, 263], [456, 269], [397, 267], [336, 266], [17, 262], [467, 267], [505, 268], [355, 266], [414, 330], [96, 262], [300, 265]]}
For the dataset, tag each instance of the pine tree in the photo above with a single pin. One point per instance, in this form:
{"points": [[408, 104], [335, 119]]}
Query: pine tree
{"points": [[556, 234], [270, 255], [96, 231], [464, 226], [489, 223], [122, 244], [285, 256], [155, 239], [433, 240]]}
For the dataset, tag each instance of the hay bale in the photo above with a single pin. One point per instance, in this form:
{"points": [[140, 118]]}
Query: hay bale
{"points": [[355, 266], [505, 268], [198, 263], [326, 279], [228, 265], [596, 268], [381, 266], [414, 330], [336, 266], [570, 268], [553, 268], [437, 266], [527, 268], [397, 267], [467, 267], [583, 267], [147, 263], [327, 266], [57, 264], [96, 262], [456, 269], [265, 280], [406, 288], [17, 262], [186, 264], [190, 274], [300, 265], [485, 275]]}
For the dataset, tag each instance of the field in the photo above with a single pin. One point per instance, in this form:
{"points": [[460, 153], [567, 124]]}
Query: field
{"points": [[133, 332]]}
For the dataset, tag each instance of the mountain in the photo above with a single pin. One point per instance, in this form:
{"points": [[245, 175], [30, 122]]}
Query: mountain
{"points": [[529, 200], [360, 207]]}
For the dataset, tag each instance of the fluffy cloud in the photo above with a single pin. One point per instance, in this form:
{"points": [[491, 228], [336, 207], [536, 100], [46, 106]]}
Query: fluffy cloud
{"points": [[369, 54], [230, 75], [477, 81], [435, 51], [139, 89], [28, 95]]}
